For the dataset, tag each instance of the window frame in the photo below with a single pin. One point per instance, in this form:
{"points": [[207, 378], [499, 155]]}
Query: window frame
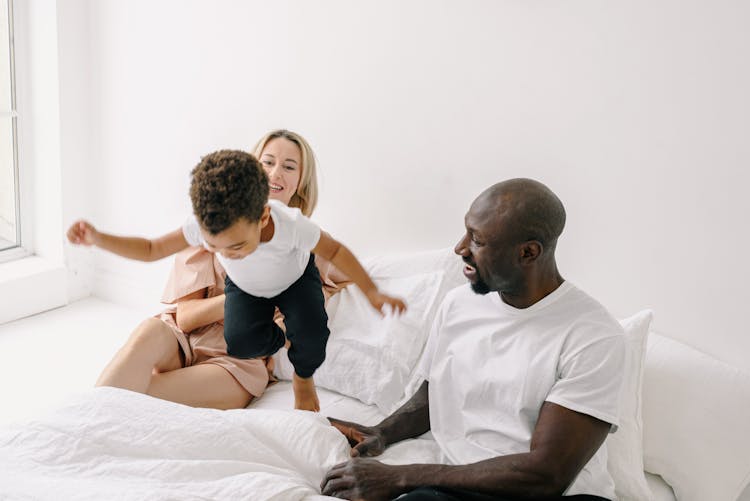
{"points": [[20, 249], [36, 279]]}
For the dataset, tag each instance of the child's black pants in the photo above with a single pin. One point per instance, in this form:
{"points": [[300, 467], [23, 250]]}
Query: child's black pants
{"points": [[250, 331]]}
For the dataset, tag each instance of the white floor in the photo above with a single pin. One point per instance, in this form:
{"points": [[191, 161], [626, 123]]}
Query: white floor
{"points": [[47, 357]]}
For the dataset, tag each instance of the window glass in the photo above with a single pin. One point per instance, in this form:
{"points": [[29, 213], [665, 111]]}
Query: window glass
{"points": [[9, 228]]}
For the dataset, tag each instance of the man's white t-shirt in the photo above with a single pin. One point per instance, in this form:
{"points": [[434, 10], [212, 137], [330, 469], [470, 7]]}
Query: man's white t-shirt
{"points": [[491, 366], [274, 265]]}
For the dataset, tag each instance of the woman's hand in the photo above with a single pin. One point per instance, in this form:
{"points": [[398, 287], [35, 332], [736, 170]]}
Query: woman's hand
{"points": [[364, 440], [82, 233], [378, 300]]}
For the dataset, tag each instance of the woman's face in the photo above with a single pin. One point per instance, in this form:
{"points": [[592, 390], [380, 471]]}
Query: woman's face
{"points": [[282, 161]]}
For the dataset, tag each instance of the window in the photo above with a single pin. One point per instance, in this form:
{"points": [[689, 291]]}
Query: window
{"points": [[33, 275], [9, 200]]}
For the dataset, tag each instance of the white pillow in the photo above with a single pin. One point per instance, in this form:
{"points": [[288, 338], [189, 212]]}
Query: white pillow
{"points": [[625, 446], [412, 263], [696, 411], [370, 357]]}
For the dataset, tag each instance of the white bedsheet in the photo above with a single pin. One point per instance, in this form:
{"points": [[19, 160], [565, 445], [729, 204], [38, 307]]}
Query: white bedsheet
{"points": [[115, 444], [118, 445]]}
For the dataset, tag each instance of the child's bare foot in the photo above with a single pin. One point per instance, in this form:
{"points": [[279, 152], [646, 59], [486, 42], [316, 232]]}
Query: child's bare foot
{"points": [[305, 396]]}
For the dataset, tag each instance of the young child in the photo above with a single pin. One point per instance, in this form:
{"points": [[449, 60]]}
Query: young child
{"points": [[266, 250]]}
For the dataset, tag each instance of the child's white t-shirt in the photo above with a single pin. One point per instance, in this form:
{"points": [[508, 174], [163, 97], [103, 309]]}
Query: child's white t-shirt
{"points": [[274, 265], [491, 367]]}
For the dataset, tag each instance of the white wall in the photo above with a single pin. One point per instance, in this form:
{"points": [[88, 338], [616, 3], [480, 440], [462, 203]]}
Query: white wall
{"points": [[636, 113], [75, 133]]}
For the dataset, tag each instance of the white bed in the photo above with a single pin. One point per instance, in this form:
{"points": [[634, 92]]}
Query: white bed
{"points": [[683, 418], [114, 444]]}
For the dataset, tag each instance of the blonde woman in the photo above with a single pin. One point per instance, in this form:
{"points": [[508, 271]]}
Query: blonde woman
{"points": [[181, 354]]}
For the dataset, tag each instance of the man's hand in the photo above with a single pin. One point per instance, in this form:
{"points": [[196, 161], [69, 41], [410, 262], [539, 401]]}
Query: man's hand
{"points": [[362, 480], [364, 440], [82, 233], [378, 300]]}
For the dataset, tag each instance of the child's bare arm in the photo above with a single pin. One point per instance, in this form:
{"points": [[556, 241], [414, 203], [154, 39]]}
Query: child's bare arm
{"points": [[142, 249], [344, 260]]}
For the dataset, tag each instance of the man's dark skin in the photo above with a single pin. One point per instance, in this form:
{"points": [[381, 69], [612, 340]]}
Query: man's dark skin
{"points": [[509, 247]]}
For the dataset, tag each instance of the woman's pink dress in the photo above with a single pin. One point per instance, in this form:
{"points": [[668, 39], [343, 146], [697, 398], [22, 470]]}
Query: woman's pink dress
{"points": [[197, 269]]}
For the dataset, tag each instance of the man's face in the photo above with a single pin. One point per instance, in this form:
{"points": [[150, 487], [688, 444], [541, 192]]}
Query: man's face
{"points": [[488, 251]]}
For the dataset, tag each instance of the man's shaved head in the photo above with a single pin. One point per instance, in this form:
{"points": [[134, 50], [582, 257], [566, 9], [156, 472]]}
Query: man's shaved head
{"points": [[527, 208], [509, 245]]}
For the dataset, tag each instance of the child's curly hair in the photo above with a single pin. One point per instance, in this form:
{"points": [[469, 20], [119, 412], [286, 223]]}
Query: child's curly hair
{"points": [[228, 185]]}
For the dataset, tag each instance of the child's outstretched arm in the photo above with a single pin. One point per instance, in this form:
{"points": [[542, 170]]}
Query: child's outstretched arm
{"points": [[344, 260], [142, 249]]}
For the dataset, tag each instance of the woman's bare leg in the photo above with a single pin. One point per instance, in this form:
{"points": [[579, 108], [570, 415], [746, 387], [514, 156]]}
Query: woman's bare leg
{"points": [[152, 346], [203, 385]]}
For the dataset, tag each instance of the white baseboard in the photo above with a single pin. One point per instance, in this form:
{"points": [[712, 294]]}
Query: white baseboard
{"points": [[31, 285]]}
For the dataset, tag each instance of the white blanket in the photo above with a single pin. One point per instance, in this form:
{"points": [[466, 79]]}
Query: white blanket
{"points": [[116, 445]]}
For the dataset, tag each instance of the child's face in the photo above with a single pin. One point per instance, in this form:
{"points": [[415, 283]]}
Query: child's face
{"points": [[282, 161], [239, 240]]}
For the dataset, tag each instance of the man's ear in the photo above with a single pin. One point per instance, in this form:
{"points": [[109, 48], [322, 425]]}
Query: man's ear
{"points": [[530, 251], [266, 216]]}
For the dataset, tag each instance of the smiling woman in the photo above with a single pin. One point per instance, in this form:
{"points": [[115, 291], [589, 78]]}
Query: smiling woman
{"points": [[182, 354], [9, 230], [283, 154]]}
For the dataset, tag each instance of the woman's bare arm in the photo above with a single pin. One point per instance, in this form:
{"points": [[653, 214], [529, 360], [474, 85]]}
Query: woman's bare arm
{"points": [[196, 310]]}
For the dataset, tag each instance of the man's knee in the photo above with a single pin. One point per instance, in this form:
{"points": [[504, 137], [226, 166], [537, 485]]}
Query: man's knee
{"points": [[426, 494]]}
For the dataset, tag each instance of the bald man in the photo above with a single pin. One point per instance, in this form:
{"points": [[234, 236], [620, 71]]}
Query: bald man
{"points": [[522, 374]]}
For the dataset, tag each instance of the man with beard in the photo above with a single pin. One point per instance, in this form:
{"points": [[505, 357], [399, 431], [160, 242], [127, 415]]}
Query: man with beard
{"points": [[522, 374]]}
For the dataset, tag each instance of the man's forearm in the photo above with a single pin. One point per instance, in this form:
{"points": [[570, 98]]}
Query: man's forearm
{"points": [[410, 420], [564, 441], [519, 476]]}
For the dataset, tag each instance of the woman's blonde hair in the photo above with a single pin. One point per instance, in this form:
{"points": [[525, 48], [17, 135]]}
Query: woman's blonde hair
{"points": [[306, 196]]}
